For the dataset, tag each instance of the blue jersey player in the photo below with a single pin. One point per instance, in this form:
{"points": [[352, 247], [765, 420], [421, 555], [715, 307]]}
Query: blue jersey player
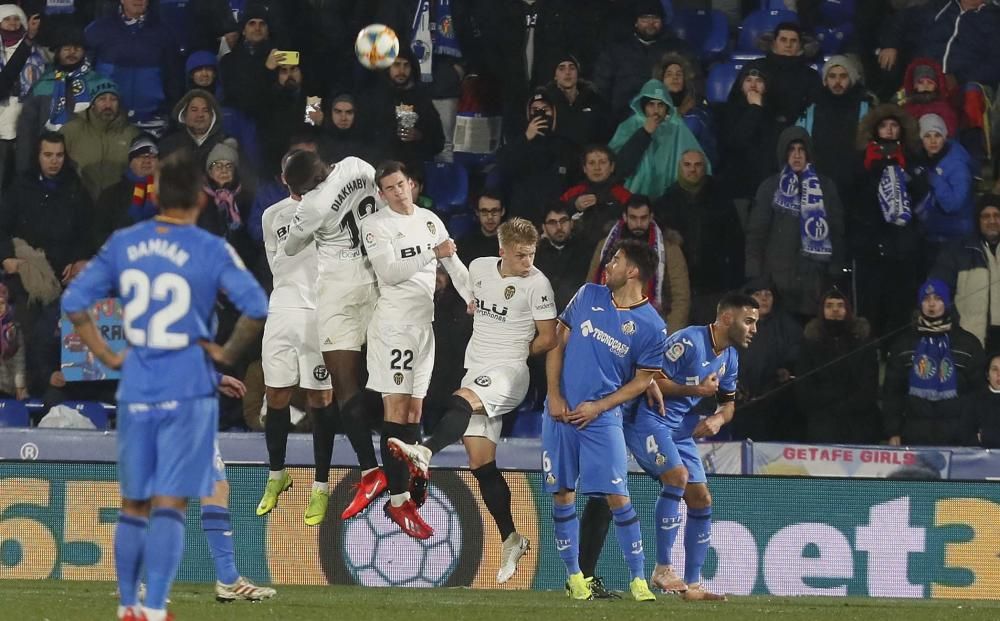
{"points": [[168, 273], [698, 362], [609, 348]]}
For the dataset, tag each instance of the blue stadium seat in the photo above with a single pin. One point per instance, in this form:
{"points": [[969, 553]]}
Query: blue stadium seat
{"points": [[448, 185], [527, 423], [705, 31], [94, 410], [720, 80], [773, 5], [461, 223], [759, 23], [13, 413], [832, 38], [837, 12]]}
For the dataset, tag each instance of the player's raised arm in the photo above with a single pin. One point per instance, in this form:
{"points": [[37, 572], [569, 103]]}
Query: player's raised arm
{"points": [[310, 178]]}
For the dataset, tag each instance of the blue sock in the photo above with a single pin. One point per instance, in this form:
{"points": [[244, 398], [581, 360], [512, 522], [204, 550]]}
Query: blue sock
{"points": [[567, 530], [630, 539], [697, 538], [164, 548], [668, 522], [219, 532], [130, 542]]}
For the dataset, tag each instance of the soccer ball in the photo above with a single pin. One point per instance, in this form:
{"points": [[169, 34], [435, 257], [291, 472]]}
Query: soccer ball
{"points": [[378, 554], [376, 46]]}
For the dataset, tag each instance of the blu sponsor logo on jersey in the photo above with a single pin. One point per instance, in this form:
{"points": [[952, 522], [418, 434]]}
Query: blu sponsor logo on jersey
{"points": [[493, 311], [617, 347]]}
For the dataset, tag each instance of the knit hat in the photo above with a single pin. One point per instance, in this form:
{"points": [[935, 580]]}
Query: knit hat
{"points": [[224, 151], [68, 35], [199, 59], [932, 123], [937, 287], [648, 7], [103, 87], [839, 60], [141, 145], [255, 11], [565, 57], [8, 10], [541, 94], [922, 72]]}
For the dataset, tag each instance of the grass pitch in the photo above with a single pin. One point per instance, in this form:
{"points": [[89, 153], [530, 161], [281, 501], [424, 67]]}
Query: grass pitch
{"points": [[55, 600]]}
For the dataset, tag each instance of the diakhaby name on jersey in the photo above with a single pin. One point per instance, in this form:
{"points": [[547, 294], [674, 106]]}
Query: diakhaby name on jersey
{"points": [[349, 188], [159, 247]]}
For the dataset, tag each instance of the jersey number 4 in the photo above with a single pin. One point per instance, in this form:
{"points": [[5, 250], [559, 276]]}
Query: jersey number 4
{"points": [[136, 286], [401, 359]]}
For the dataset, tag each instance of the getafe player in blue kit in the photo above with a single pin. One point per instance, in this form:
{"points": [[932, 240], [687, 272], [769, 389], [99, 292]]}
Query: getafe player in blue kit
{"points": [[699, 361], [610, 347], [168, 273]]}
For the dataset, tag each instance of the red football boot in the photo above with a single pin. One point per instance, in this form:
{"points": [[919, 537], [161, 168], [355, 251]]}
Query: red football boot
{"points": [[372, 486], [407, 518]]}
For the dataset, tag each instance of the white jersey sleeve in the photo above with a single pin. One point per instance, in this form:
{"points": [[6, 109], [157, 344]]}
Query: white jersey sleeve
{"points": [[294, 276]]}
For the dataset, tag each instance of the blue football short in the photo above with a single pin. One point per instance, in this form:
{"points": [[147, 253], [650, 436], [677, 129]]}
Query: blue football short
{"points": [[652, 444], [592, 460]]}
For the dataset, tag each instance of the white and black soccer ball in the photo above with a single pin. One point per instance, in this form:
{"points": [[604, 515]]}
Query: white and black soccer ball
{"points": [[376, 47]]}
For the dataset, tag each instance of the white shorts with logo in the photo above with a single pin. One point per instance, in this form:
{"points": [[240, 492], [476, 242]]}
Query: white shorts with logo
{"points": [[400, 359], [501, 388], [290, 352], [342, 314]]}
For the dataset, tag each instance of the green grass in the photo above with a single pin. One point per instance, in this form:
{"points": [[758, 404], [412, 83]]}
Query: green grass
{"points": [[85, 601]]}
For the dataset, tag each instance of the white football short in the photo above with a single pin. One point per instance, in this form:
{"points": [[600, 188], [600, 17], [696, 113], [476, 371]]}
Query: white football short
{"points": [[343, 313], [290, 352], [400, 359], [501, 388]]}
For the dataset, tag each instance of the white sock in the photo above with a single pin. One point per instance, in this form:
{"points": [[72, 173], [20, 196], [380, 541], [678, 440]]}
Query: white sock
{"points": [[121, 611], [398, 500], [365, 473], [154, 615], [321, 487], [276, 475]]}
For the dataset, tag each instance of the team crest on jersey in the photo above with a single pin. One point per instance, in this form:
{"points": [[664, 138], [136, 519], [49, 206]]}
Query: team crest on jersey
{"points": [[370, 238], [722, 369], [509, 292], [483, 380], [321, 373], [550, 479], [431, 227], [398, 378], [675, 352], [660, 459], [628, 328]]}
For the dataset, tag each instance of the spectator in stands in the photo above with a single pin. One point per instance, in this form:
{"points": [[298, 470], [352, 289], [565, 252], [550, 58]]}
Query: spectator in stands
{"points": [[883, 233], [626, 65], [246, 71], [649, 144], [285, 118], [926, 91], [135, 50], [274, 189], [561, 254], [982, 410], [65, 89], [960, 34], [942, 185], [971, 268], [340, 135], [482, 242], [133, 198], [678, 75], [749, 137], [228, 205], [396, 113], [98, 139], [700, 210], [597, 202], [795, 235], [669, 290], [22, 64], [13, 375], [202, 71], [583, 113], [929, 369], [217, 24], [765, 407], [452, 331], [535, 167], [792, 83], [199, 126], [833, 119], [837, 384]]}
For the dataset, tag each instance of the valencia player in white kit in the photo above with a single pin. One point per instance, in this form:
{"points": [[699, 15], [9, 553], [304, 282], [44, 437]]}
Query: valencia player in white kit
{"points": [[404, 243], [330, 216], [515, 317]]}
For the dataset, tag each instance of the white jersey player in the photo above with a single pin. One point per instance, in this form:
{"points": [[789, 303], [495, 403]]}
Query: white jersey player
{"points": [[405, 243], [515, 317], [328, 218]]}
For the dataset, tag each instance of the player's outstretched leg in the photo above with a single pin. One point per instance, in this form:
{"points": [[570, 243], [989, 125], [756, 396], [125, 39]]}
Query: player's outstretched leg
{"points": [[697, 538], [594, 526], [630, 541], [668, 523], [277, 425], [325, 414], [130, 543]]}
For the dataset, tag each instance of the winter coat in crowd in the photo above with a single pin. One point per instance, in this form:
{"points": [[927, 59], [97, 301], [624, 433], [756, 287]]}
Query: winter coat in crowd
{"points": [[99, 148], [938, 102], [565, 265], [180, 138], [791, 85], [748, 138], [943, 186]]}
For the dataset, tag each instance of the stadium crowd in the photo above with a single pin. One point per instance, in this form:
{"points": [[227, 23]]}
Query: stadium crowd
{"points": [[833, 160]]}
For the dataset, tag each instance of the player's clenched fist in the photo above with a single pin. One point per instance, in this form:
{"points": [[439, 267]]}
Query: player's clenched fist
{"points": [[446, 248]]}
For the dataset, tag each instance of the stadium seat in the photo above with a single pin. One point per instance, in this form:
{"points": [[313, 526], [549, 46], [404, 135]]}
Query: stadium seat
{"points": [[705, 31], [13, 413], [773, 5], [94, 410], [461, 223], [837, 12], [527, 424], [757, 24], [720, 80], [448, 185], [832, 38]]}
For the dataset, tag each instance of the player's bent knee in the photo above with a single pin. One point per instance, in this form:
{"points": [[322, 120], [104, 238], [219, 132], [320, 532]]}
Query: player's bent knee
{"points": [[169, 502], [137, 508], [617, 501], [677, 477], [319, 398], [220, 495], [470, 400], [278, 398], [564, 497], [697, 496]]}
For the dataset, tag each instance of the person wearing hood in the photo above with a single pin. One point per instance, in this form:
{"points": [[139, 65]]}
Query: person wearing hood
{"points": [[536, 167], [246, 71], [942, 187], [286, 115], [883, 233], [624, 66], [837, 376], [926, 91], [982, 410], [340, 137], [584, 116], [649, 144], [793, 84], [98, 139], [133, 198], [795, 234], [929, 369], [198, 126], [64, 90], [596, 202], [21, 66], [677, 74]]}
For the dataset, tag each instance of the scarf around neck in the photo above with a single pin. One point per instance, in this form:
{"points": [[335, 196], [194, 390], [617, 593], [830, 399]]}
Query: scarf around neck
{"points": [[143, 205], [33, 67], [802, 194], [932, 374], [654, 238], [225, 202], [432, 32], [68, 91]]}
